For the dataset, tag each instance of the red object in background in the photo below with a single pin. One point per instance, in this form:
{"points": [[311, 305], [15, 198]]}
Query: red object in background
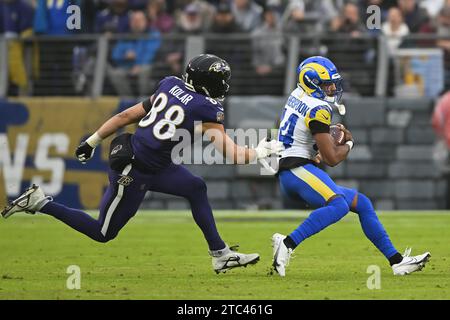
{"points": [[441, 118]]}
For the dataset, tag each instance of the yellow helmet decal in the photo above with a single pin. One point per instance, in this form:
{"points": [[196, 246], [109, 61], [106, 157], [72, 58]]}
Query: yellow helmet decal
{"points": [[302, 84], [321, 70]]}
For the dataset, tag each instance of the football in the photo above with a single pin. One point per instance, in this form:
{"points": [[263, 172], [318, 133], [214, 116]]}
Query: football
{"points": [[337, 134]]}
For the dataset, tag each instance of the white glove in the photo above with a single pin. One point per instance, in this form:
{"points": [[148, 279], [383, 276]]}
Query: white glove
{"points": [[266, 148]]}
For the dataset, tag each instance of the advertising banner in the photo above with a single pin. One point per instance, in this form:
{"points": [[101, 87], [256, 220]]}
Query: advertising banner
{"points": [[38, 138]]}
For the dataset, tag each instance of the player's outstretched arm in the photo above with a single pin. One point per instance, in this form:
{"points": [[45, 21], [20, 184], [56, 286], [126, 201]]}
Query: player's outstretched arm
{"points": [[238, 154], [331, 153], [85, 150]]}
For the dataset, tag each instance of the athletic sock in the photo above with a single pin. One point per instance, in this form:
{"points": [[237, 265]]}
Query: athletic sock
{"points": [[288, 242], [396, 258]]}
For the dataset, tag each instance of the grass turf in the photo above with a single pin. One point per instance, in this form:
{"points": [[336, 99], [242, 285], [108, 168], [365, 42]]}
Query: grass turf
{"points": [[162, 255]]}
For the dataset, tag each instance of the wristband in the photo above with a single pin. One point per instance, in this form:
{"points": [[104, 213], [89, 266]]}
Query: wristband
{"points": [[94, 140], [350, 144]]}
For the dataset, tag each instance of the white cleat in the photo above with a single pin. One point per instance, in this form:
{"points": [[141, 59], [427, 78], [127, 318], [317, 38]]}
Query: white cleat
{"points": [[281, 254], [228, 258], [410, 264], [32, 200]]}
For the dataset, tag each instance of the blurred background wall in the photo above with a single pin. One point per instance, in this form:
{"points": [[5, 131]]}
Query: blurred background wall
{"points": [[58, 83]]}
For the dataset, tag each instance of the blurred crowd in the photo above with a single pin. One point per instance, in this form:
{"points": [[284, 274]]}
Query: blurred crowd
{"points": [[226, 16], [265, 20]]}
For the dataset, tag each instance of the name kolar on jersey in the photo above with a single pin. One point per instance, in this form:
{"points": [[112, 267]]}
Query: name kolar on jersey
{"points": [[179, 93]]}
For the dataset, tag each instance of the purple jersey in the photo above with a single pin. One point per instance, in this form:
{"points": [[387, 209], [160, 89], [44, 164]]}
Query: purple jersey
{"points": [[175, 106]]}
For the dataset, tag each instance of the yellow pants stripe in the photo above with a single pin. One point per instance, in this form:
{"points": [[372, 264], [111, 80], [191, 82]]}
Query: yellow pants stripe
{"points": [[315, 183]]}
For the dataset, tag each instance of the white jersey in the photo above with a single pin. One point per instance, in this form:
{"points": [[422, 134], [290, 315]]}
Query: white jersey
{"points": [[294, 132]]}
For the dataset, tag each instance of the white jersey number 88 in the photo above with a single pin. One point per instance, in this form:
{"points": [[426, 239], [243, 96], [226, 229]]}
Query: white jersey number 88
{"points": [[173, 117]]}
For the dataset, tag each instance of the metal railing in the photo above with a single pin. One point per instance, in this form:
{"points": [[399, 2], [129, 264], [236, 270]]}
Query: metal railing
{"points": [[3, 67], [364, 61]]}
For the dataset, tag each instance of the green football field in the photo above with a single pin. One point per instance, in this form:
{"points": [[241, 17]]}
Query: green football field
{"points": [[162, 255]]}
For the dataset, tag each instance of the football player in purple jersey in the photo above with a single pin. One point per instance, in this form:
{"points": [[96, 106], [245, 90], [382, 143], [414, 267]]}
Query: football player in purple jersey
{"points": [[142, 162]]}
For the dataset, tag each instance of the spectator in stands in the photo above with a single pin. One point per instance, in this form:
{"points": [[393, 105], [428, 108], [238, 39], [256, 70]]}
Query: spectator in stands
{"points": [[443, 27], [16, 18], [236, 51], [414, 16], [158, 17], [133, 58], [276, 5], [308, 15], [384, 6], [394, 29], [190, 22], [113, 19], [433, 7], [137, 4], [443, 30], [16, 21], [224, 21], [216, 3], [267, 45], [293, 16], [247, 14], [205, 9], [171, 5], [349, 22], [354, 52], [332, 8], [51, 17]]}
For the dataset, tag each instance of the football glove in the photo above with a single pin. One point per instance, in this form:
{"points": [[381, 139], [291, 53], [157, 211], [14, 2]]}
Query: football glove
{"points": [[266, 148], [84, 152]]}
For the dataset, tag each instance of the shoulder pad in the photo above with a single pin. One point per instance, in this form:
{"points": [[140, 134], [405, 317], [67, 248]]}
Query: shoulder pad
{"points": [[320, 113]]}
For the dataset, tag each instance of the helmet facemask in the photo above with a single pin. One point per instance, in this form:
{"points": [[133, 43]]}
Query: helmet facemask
{"points": [[332, 95]]}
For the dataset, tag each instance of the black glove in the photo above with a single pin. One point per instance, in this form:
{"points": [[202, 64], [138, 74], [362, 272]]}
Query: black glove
{"points": [[84, 152]]}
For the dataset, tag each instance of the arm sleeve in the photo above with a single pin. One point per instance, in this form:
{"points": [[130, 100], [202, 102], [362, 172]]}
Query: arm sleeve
{"points": [[147, 104], [318, 127]]}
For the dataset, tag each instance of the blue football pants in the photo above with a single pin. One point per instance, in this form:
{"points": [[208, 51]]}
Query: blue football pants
{"points": [[333, 202]]}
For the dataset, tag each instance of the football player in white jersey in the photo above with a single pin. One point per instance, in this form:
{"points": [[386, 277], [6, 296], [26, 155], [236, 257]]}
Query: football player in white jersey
{"points": [[304, 131]]}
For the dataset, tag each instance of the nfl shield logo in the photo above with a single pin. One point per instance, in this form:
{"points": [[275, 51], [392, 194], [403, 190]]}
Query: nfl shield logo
{"points": [[220, 116]]}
